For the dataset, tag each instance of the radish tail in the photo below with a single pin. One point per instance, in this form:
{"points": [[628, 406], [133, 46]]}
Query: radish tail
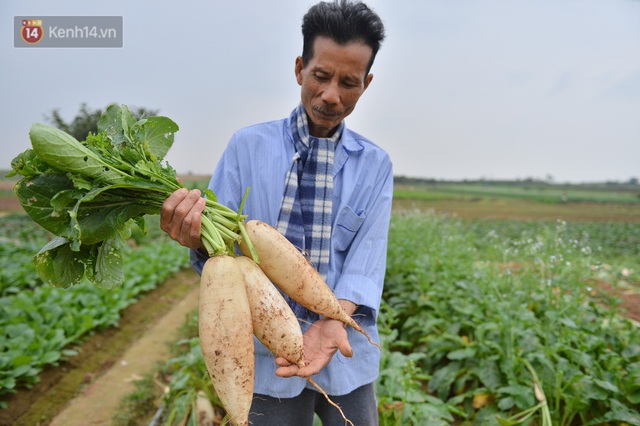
{"points": [[329, 400]]}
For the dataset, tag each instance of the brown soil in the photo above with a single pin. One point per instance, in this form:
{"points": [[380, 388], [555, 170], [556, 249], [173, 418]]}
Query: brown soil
{"points": [[523, 209], [9, 204], [137, 343], [629, 301]]}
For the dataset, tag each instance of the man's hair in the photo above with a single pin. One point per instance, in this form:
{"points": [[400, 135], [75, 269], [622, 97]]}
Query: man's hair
{"points": [[344, 22]]}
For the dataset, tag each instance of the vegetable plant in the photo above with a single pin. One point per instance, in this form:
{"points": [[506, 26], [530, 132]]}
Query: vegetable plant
{"points": [[41, 326], [89, 193], [510, 326]]}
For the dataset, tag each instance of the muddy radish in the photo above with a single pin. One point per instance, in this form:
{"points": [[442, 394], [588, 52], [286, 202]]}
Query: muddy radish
{"points": [[287, 268], [226, 336], [274, 323]]}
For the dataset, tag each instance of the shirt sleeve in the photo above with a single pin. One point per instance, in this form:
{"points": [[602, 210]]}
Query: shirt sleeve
{"points": [[363, 272]]}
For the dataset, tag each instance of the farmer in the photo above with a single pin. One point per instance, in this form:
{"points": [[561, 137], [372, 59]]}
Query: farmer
{"points": [[328, 190]]}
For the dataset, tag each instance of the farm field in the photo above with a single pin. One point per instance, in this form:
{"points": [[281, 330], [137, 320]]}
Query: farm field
{"points": [[485, 296], [571, 203]]}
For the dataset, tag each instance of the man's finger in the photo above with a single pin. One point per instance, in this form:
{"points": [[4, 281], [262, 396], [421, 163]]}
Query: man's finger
{"points": [[282, 362], [169, 206], [186, 204], [191, 224], [289, 371], [309, 370], [345, 348]]}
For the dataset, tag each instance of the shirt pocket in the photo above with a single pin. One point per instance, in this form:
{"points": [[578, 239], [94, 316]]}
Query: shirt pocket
{"points": [[346, 228]]}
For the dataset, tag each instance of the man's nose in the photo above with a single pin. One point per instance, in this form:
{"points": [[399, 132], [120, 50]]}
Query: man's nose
{"points": [[331, 94]]}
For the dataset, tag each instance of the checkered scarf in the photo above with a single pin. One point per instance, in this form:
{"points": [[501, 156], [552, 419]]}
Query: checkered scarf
{"points": [[307, 204]]}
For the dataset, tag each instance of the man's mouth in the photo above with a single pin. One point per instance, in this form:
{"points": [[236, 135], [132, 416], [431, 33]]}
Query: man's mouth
{"points": [[327, 114]]}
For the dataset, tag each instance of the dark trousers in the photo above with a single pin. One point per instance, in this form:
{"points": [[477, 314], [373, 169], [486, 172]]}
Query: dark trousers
{"points": [[359, 406]]}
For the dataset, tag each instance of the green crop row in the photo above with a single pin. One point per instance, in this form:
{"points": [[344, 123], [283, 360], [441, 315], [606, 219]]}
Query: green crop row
{"points": [[39, 324], [495, 313], [554, 194], [20, 239]]}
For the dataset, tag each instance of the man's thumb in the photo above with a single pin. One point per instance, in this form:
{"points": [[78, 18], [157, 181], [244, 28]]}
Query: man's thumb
{"points": [[345, 347]]}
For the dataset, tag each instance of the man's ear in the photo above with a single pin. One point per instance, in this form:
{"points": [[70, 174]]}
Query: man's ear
{"points": [[367, 81], [298, 69]]}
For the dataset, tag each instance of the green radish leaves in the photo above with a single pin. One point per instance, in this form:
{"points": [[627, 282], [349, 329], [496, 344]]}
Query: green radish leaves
{"points": [[108, 266], [36, 193], [157, 135], [60, 266], [154, 134], [88, 193], [63, 152]]}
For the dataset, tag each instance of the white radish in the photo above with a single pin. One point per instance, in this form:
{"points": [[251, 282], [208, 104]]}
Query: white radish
{"points": [[287, 268], [274, 323], [205, 415], [226, 336]]}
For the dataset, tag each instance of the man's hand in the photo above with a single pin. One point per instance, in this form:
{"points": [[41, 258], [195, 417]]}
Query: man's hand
{"points": [[321, 341], [180, 217]]}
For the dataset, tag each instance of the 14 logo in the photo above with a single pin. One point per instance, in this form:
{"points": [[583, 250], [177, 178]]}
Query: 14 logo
{"points": [[31, 31]]}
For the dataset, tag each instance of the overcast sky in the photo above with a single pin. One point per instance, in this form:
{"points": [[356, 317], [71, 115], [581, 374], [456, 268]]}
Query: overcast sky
{"points": [[494, 89]]}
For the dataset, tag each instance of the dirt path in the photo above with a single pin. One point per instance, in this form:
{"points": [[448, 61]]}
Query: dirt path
{"points": [[99, 401], [86, 389]]}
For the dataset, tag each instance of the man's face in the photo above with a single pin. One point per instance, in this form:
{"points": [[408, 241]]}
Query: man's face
{"points": [[332, 82]]}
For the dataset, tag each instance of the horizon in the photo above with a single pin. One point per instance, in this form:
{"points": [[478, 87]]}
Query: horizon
{"points": [[632, 181]]}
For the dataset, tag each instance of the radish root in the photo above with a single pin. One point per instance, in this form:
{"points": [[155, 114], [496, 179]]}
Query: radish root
{"points": [[329, 400]]}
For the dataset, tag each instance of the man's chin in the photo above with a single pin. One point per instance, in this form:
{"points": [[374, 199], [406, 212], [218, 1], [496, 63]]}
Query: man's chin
{"points": [[325, 127]]}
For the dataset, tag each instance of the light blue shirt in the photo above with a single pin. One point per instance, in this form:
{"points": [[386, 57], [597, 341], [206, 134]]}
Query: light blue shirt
{"points": [[258, 157]]}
